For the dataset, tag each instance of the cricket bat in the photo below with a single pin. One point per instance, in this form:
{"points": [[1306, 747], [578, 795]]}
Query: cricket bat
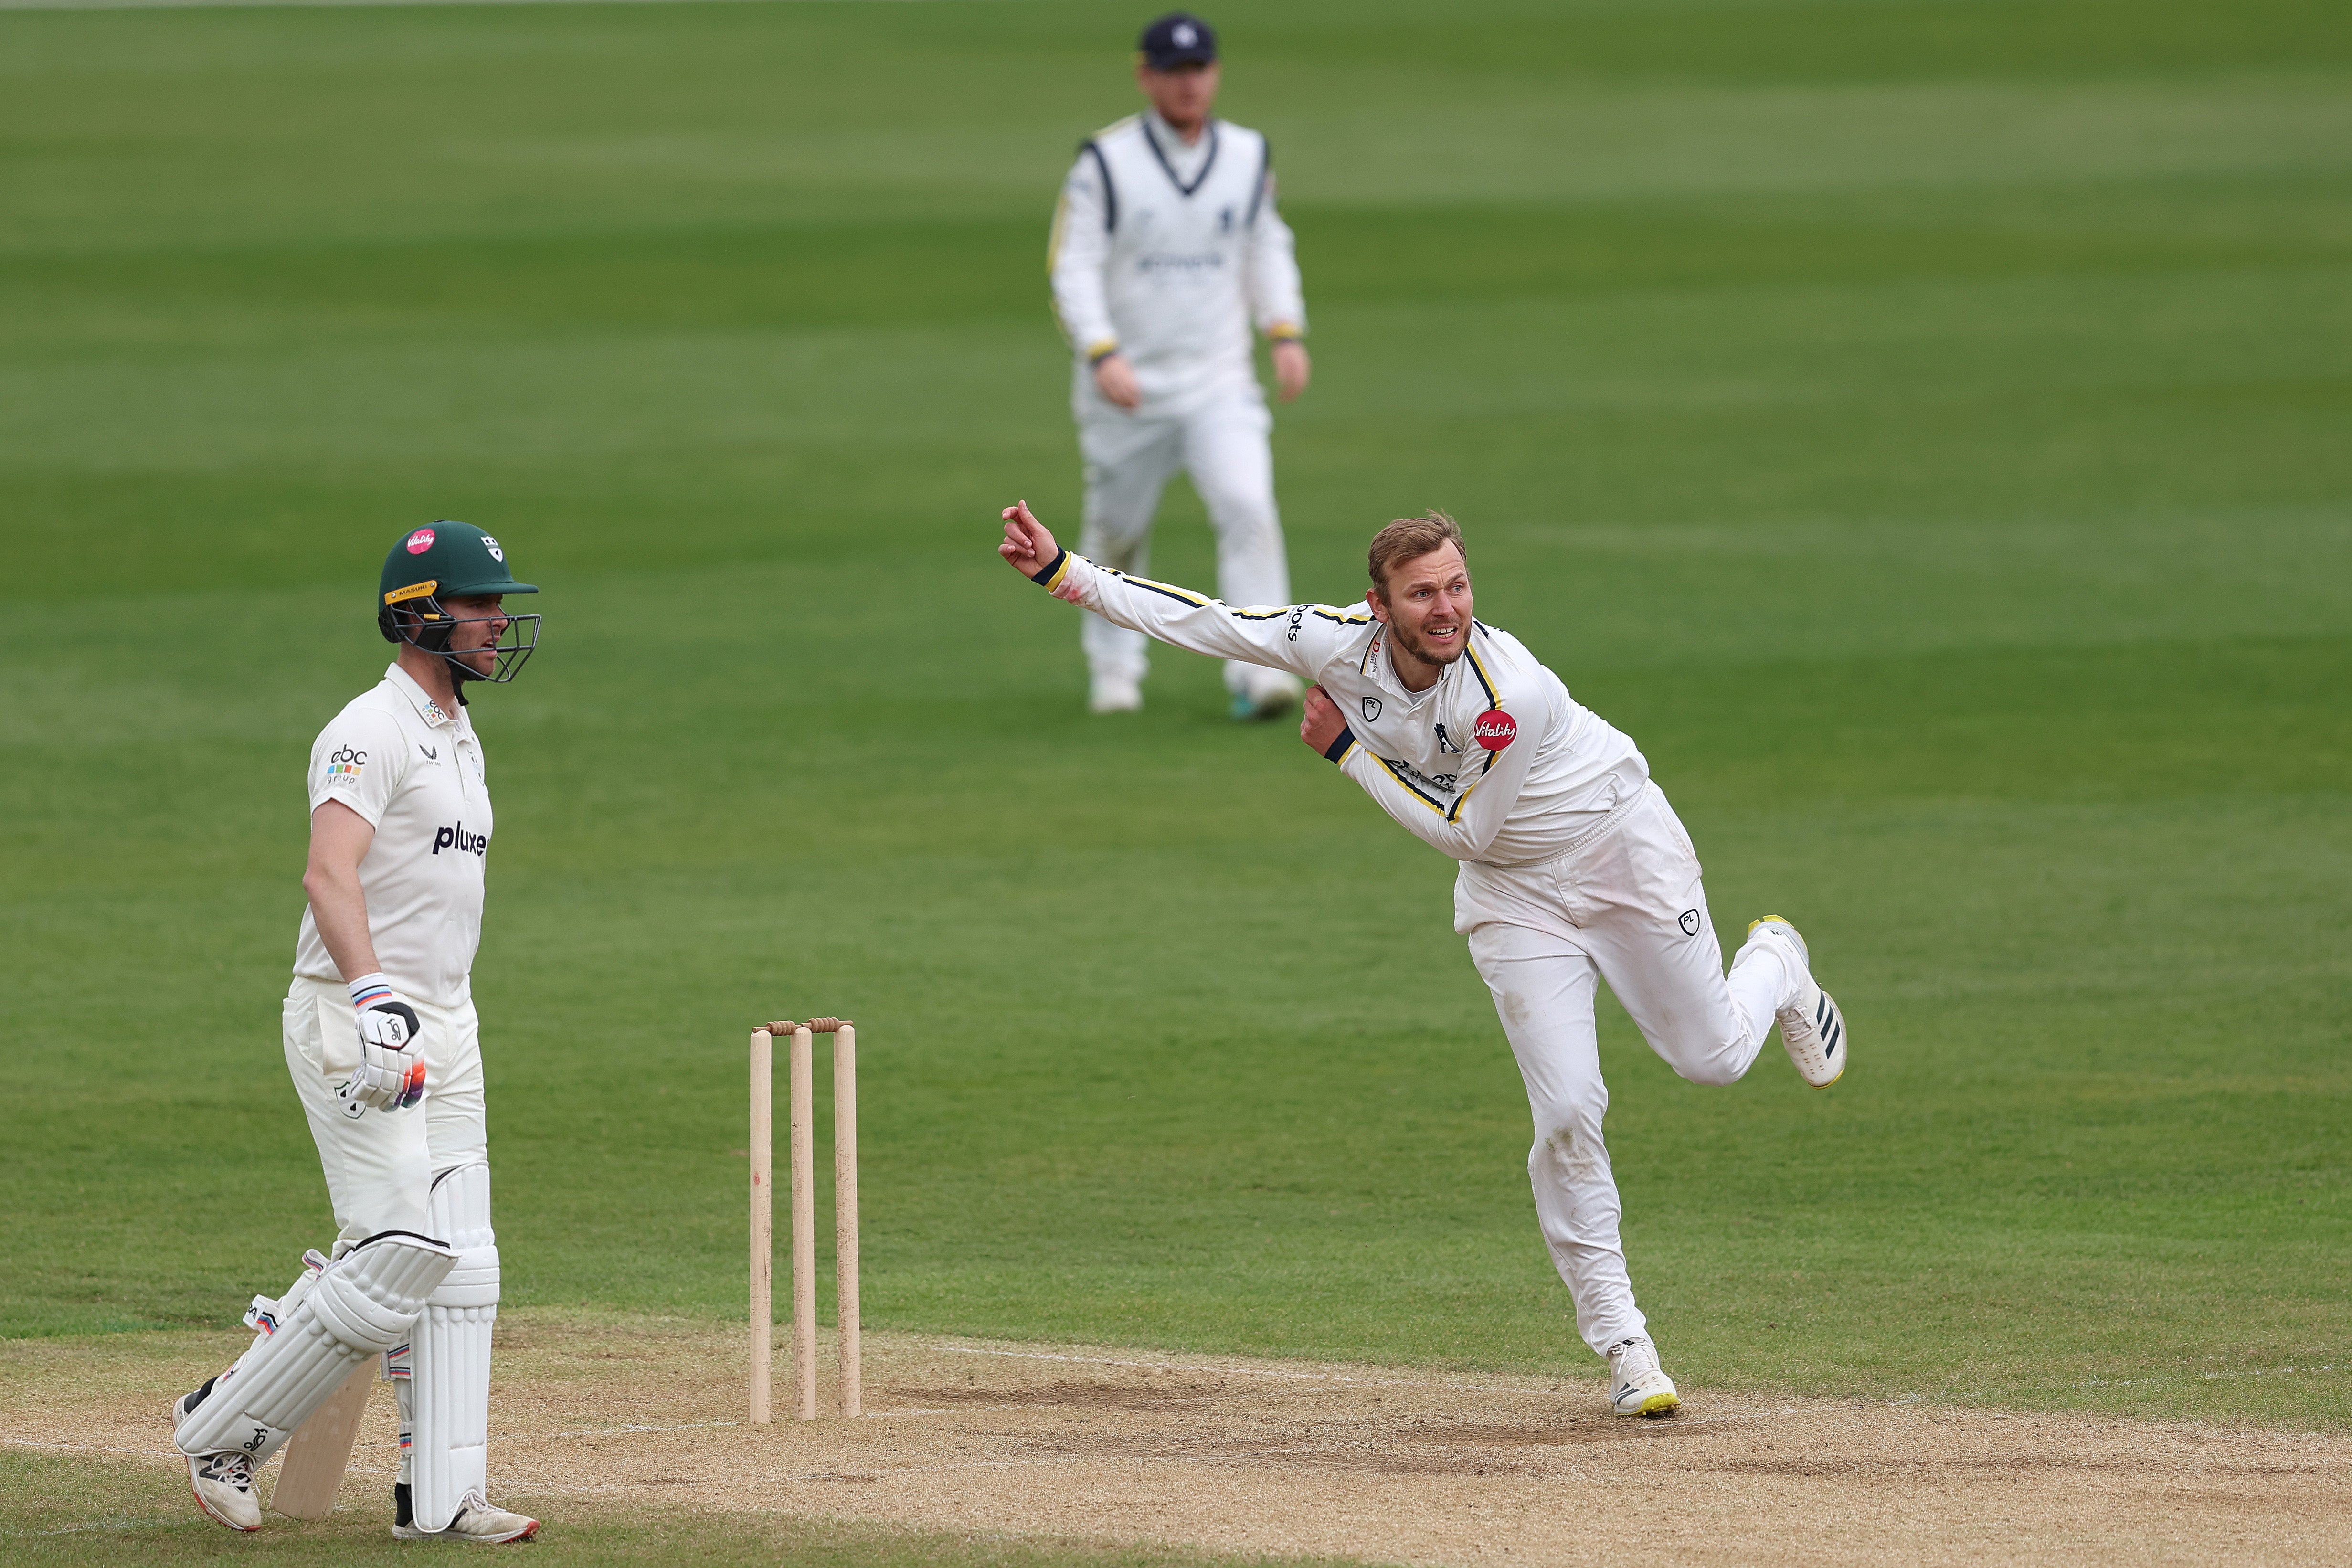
{"points": [[321, 1450]]}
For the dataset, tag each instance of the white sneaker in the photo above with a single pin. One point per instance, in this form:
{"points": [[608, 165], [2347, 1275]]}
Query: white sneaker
{"points": [[1811, 1025], [1637, 1384], [476, 1521], [223, 1486], [1115, 694]]}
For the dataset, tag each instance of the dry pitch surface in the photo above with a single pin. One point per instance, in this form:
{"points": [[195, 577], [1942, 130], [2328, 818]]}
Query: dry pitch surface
{"points": [[1278, 1457]]}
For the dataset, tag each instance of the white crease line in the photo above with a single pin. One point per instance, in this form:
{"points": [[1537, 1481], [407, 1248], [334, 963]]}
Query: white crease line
{"points": [[356, 1468], [635, 1429], [1262, 1371], [119, 1526], [626, 1431], [97, 1449], [524, 1487], [2274, 1372]]}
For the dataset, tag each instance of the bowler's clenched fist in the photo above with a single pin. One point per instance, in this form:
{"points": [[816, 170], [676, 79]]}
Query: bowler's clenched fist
{"points": [[1322, 722]]}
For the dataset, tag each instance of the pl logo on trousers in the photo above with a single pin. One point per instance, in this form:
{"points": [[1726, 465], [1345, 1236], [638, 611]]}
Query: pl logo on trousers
{"points": [[1688, 920]]}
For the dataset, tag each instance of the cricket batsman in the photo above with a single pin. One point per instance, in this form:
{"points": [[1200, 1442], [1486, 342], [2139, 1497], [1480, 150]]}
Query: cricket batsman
{"points": [[1166, 252], [1574, 868], [385, 1052]]}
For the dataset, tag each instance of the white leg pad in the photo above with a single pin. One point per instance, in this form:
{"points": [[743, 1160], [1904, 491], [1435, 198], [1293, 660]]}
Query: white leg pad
{"points": [[360, 1305], [450, 1386]]}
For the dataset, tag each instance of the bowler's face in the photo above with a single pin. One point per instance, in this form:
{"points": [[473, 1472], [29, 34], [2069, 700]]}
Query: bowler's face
{"points": [[1428, 605]]}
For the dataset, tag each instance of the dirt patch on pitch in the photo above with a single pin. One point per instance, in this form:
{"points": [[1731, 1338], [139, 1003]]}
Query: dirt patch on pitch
{"points": [[1228, 1454]]}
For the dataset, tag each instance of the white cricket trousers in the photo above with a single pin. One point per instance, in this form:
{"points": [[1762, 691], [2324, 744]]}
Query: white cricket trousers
{"points": [[1130, 459], [1624, 904], [380, 1164]]}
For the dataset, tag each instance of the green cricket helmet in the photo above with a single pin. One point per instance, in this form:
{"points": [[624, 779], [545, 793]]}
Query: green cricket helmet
{"points": [[449, 561]]}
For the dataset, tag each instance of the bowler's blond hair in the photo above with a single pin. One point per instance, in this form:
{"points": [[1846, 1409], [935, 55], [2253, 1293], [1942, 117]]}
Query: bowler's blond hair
{"points": [[1409, 539]]}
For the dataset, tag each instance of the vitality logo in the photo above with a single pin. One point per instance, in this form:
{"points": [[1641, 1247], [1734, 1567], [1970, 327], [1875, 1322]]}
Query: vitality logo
{"points": [[460, 841]]}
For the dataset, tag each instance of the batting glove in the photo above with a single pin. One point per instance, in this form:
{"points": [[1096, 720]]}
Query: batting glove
{"points": [[391, 1076]]}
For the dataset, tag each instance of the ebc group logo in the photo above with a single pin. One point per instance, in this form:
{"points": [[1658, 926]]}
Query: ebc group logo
{"points": [[344, 766]]}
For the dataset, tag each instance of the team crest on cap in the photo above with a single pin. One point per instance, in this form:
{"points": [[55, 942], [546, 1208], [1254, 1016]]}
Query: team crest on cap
{"points": [[1184, 36], [491, 545], [420, 541]]}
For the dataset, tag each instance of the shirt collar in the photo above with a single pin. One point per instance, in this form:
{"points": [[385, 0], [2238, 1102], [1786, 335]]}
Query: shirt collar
{"points": [[1181, 155], [427, 708], [1384, 671]]}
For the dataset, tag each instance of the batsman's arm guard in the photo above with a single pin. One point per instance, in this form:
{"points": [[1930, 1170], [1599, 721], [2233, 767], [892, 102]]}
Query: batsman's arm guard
{"points": [[332, 1320], [449, 1384]]}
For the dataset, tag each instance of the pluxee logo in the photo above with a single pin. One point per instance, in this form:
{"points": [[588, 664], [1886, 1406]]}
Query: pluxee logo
{"points": [[460, 841]]}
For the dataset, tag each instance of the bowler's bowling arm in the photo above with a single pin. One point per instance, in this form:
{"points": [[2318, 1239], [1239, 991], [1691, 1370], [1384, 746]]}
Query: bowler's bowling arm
{"points": [[1464, 826]]}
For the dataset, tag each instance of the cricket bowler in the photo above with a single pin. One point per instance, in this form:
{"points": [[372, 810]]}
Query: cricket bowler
{"points": [[1574, 868], [386, 1053], [1166, 251]]}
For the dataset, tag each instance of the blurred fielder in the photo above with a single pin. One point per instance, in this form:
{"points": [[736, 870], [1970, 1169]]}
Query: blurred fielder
{"points": [[1166, 251], [384, 1048], [1574, 868]]}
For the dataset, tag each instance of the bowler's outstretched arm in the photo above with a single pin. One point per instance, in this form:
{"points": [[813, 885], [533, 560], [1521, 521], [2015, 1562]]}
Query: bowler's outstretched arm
{"points": [[1294, 638]]}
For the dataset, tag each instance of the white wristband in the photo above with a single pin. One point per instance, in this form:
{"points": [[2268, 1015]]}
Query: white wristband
{"points": [[370, 989]]}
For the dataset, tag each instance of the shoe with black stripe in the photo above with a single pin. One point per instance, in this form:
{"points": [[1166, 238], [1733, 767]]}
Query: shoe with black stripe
{"points": [[1638, 1386], [478, 1520], [1812, 1026], [223, 1482]]}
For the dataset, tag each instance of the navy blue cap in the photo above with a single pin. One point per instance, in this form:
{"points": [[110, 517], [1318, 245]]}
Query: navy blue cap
{"points": [[1179, 38]]}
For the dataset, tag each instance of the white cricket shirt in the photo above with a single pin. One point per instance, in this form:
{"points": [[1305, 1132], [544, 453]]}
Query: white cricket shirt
{"points": [[416, 774], [1495, 763], [1170, 252]]}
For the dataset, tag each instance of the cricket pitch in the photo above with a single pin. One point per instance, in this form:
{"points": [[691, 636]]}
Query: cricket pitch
{"points": [[1228, 1454]]}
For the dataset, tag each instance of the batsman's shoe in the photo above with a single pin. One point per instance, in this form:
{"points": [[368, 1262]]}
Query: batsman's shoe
{"points": [[1638, 1386], [224, 1485], [477, 1520], [1812, 1026], [1114, 694]]}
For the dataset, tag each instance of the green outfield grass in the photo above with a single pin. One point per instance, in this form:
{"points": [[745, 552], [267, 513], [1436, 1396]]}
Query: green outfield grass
{"points": [[1921, 426]]}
